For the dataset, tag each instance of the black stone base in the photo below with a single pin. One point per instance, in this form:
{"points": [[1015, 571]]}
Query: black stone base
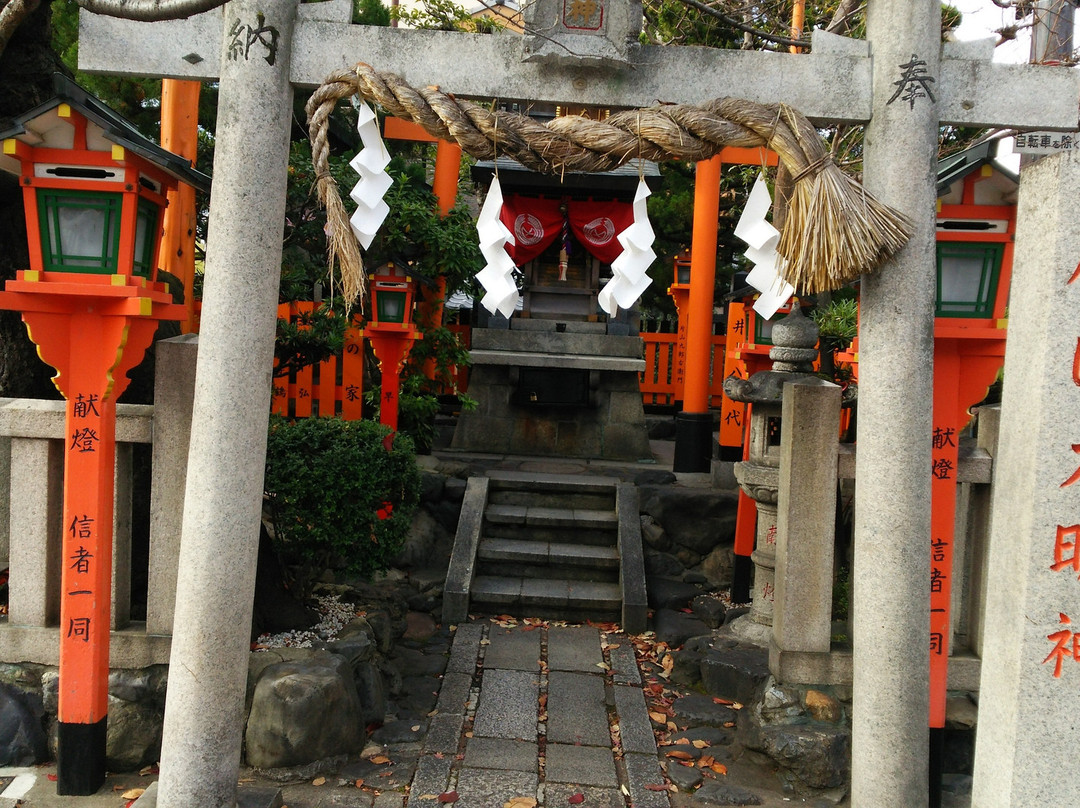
{"points": [[693, 442], [80, 758]]}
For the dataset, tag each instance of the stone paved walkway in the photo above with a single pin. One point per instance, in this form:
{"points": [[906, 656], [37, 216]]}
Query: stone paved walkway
{"points": [[542, 712]]}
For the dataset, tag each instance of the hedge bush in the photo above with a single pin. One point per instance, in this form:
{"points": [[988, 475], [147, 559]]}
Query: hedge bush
{"points": [[342, 494]]}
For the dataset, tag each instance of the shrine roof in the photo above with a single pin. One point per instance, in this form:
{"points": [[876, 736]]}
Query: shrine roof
{"points": [[515, 178]]}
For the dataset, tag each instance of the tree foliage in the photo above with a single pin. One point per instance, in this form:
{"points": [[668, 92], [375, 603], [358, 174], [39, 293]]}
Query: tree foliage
{"points": [[341, 494]]}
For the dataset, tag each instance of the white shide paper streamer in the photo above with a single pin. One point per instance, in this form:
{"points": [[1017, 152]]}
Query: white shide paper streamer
{"points": [[497, 277], [762, 238], [629, 278], [370, 163]]}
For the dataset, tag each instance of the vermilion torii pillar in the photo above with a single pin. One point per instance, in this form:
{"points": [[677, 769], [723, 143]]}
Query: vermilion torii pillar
{"points": [[693, 437]]}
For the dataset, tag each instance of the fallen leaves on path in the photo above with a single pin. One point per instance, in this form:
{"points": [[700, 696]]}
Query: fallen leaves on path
{"points": [[521, 802]]}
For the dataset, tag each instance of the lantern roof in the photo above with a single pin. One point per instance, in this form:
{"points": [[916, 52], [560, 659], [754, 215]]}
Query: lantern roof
{"points": [[43, 126], [957, 166]]}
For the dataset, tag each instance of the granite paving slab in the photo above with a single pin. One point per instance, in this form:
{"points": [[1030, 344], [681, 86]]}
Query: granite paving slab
{"points": [[624, 663], [490, 788], [466, 646], [577, 709], [581, 765], [574, 648], [513, 649], [454, 693], [444, 734], [556, 795], [432, 777], [499, 753], [508, 705], [635, 728], [642, 771]]}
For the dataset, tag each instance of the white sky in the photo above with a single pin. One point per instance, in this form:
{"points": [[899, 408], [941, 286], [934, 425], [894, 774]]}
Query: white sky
{"points": [[982, 18]]}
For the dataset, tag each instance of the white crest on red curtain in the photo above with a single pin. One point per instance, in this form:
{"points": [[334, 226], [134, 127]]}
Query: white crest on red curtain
{"points": [[497, 277], [370, 163], [600, 230], [629, 278], [528, 230], [763, 238]]}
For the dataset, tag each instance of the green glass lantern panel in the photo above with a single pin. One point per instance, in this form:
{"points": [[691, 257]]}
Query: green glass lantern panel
{"points": [[763, 330], [967, 278], [80, 230], [146, 224], [390, 305]]}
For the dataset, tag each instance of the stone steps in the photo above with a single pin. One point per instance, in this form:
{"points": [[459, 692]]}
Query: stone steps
{"points": [[538, 559], [556, 546], [536, 595], [551, 523]]}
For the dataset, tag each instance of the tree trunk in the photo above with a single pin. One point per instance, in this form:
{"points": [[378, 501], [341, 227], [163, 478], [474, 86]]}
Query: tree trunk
{"points": [[26, 67]]}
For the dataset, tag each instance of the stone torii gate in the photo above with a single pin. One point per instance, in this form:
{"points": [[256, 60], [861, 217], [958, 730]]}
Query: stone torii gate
{"points": [[900, 82]]}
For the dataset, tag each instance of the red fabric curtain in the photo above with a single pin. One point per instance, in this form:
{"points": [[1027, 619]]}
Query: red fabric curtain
{"points": [[534, 222], [596, 225]]}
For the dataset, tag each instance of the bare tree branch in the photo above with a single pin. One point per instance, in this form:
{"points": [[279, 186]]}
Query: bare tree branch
{"points": [[149, 10], [11, 16], [748, 29], [845, 12]]}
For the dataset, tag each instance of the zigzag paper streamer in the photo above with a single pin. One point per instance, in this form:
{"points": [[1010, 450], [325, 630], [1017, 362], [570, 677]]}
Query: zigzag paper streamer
{"points": [[629, 269], [370, 163], [762, 239], [497, 277]]}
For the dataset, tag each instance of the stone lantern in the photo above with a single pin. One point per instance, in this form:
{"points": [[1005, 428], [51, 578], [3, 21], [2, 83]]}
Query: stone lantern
{"points": [[793, 353]]}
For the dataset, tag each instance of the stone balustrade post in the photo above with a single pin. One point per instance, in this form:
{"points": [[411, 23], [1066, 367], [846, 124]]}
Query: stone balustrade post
{"points": [[806, 520], [174, 395], [36, 497]]}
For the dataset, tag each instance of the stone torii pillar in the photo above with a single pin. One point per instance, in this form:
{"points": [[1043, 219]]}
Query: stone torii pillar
{"points": [[891, 588], [597, 63]]}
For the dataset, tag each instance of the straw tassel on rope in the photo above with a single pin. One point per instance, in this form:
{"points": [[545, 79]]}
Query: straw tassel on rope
{"points": [[834, 230]]}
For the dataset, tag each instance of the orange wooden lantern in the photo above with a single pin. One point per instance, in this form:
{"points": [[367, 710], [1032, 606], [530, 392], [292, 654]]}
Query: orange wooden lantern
{"points": [[679, 292], [976, 222], [391, 333], [94, 192]]}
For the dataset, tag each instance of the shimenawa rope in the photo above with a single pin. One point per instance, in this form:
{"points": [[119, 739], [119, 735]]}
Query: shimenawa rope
{"points": [[834, 230]]}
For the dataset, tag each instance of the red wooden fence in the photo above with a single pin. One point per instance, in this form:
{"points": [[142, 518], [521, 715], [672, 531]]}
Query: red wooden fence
{"points": [[336, 386]]}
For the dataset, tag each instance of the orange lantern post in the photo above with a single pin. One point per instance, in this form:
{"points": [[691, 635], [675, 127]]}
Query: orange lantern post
{"points": [[94, 192], [391, 334], [679, 292], [974, 267]]}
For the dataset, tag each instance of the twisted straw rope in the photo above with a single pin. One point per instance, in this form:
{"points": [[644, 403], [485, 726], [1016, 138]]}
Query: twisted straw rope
{"points": [[834, 231]]}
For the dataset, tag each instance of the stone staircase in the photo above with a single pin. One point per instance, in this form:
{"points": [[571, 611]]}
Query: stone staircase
{"points": [[548, 545]]}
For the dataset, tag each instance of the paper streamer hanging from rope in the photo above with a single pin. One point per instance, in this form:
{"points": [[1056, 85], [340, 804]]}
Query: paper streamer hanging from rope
{"points": [[629, 269], [370, 163], [762, 237], [497, 277]]}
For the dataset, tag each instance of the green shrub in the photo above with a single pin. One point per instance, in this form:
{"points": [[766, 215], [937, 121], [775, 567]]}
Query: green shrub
{"points": [[341, 494]]}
